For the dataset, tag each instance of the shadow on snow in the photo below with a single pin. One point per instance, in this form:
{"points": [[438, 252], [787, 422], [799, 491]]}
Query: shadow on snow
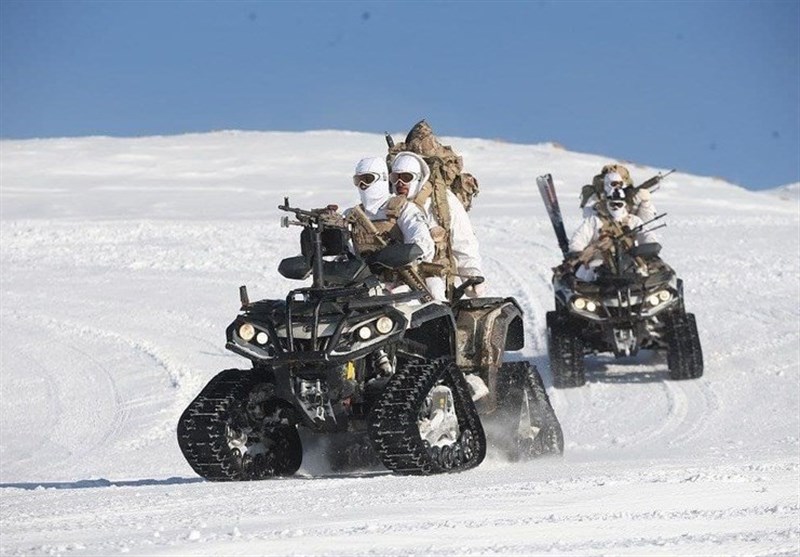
{"points": [[101, 482]]}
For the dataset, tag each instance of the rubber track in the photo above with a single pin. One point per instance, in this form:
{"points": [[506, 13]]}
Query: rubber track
{"points": [[201, 428], [393, 420], [684, 354], [552, 441], [513, 379], [565, 349]]}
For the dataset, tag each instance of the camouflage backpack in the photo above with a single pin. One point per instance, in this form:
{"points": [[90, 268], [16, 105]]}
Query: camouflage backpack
{"points": [[445, 165], [596, 187]]}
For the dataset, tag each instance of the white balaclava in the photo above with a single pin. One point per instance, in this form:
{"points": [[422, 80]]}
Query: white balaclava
{"points": [[406, 161], [616, 206], [373, 196], [609, 179]]}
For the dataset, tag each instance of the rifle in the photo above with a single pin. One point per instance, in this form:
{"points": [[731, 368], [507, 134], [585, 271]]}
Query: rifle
{"points": [[408, 274], [389, 140], [650, 183]]}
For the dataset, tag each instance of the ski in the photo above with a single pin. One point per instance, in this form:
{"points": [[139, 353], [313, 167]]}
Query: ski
{"points": [[548, 192]]}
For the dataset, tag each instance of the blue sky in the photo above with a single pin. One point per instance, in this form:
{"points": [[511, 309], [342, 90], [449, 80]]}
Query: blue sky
{"points": [[708, 87]]}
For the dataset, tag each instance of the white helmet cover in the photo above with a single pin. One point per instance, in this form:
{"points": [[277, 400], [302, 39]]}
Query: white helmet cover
{"points": [[376, 194], [406, 161]]}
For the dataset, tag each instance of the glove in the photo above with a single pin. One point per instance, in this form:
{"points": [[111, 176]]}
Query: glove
{"points": [[644, 195]]}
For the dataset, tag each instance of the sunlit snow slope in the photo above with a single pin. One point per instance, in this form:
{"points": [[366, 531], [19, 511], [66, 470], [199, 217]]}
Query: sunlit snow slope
{"points": [[121, 261]]}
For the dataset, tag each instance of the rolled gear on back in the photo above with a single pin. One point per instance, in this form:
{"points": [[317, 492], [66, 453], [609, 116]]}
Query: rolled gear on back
{"points": [[445, 165]]}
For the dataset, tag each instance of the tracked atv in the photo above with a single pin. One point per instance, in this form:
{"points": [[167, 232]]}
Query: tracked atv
{"points": [[622, 311], [386, 370]]}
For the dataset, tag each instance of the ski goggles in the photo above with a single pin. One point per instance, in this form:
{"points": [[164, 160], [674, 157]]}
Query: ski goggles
{"points": [[363, 181], [616, 204], [617, 184], [405, 177]]}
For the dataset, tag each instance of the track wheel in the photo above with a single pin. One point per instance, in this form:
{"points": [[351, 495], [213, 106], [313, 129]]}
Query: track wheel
{"points": [[425, 421], [531, 428], [684, 353], [566, 352], [236, 431]]}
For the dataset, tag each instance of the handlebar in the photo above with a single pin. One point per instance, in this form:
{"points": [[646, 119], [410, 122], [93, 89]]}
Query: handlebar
{"points": [[461, 288]]}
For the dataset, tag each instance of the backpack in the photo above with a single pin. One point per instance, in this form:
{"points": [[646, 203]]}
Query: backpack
{"points": [[445, 165]]}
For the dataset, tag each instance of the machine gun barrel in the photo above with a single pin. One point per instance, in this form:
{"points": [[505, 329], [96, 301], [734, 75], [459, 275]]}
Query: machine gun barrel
{"points": [[309, 217], [641, 226]]}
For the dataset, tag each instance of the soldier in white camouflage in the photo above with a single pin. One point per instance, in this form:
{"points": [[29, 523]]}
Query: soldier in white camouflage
{"points": [[457, 253]]}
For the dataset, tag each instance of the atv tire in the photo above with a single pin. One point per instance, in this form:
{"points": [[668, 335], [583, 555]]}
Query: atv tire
{"points": [[684, 353], [530, 426], [394, 425], [230, 431], [566, 352]]}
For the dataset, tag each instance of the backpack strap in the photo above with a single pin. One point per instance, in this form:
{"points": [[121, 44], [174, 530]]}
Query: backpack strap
{"points": [[395, 206], [423, 195]]}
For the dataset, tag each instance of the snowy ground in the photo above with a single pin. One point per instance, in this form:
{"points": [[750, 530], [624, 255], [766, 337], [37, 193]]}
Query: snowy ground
{"points": [[121, 261]]}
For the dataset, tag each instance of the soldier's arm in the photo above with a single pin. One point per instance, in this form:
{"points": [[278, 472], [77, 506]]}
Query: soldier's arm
{"points": [[414, 226], [464, 243], [584, 234], [643, 205]]}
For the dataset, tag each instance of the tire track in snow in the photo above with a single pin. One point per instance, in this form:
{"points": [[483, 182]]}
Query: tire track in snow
{"points": [[520, 288], [56, 380], [51, 407], [68, 335]]}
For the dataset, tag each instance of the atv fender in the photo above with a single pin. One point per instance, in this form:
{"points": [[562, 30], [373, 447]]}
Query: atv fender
{"points": [[485, 329]]}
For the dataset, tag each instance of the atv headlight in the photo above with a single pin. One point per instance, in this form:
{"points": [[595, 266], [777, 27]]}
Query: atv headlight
{"points": [[659, 297], [364, 333], [247, 332], [262, 337], [584, 304], [384, 325]]}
